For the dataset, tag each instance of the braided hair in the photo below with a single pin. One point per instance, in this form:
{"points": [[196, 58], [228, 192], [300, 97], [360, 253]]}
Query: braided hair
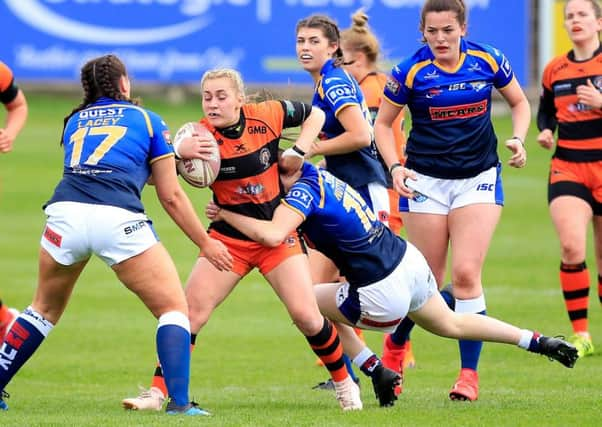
{"points": [[100, 77], [330, 30]]}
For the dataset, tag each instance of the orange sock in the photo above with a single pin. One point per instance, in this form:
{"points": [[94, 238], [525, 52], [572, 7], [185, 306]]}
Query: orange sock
{"points": [[328, 348], [158, 380], [574, 280]]}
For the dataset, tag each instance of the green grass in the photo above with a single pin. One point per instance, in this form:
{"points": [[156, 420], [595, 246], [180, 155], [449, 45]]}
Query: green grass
{"points": [[251, 366]]}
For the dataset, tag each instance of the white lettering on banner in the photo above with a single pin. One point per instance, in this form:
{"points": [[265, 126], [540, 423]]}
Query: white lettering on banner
{"points": [[39, 15], [162, 63], [47, 21]]}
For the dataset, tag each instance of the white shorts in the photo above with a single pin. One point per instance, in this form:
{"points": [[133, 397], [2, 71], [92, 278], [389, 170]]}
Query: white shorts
{"points": [[439, 196], [377, 197], [74, 231], [382, 305]]}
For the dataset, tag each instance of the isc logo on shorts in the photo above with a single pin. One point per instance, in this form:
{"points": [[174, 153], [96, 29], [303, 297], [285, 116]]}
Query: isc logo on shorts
{"points": [[135, 227], [485, 187]]}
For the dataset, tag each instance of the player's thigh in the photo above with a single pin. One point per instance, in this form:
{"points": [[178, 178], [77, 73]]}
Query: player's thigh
{"points": [[292, 283], [471, 229], [206, 288], [429, 233], [571, 216], [436, 317], [326, 297], [55, 285], [152, 276], [321, 267], [598, 240]]}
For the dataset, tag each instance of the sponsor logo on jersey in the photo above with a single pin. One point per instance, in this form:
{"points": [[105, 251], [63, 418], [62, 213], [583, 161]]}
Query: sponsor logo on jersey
{"points": [[264, 157], [339, 93], [290, 241], [579, 107], [477, 86], [250, 189], [433, 92], [254, 130], [228, 170], [506, 68], [475, 66], [301, 196], [431, 75], [331, 79], [290, 109], [99, 113], [167, 137], [459, 111], [456, 86], [393, 86]]}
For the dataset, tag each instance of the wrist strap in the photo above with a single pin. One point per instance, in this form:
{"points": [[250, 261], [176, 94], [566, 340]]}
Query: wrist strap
{"points": [[520, 139], [298, 150], [292, 152], [394, 166], [175, 146]]}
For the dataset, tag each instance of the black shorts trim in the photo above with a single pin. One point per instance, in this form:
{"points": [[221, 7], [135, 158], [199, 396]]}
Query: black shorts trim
{"points": [[568, 188]]}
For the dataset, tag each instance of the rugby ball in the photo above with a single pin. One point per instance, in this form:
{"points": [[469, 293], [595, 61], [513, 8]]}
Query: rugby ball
{"points": [[198, 172]]}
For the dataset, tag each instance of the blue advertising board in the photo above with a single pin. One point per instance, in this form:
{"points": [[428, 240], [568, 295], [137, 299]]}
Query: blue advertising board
{"points": [[175, 41]]}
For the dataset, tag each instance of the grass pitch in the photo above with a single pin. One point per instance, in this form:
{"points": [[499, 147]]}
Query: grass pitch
{"points": [[251, 367]]}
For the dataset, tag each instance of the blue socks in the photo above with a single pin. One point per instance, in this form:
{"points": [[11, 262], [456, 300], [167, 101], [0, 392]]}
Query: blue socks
{"points": [[173, 348]]}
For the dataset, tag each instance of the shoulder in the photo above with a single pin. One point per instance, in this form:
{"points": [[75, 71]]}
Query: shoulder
{"points": [[557, 61], [6, 76], [412, 64], [485, 51], [264, 111], [336, 77]]}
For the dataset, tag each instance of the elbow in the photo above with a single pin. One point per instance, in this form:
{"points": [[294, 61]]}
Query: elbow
{"points": [[272, 240], [170, 200], [363, 139]]}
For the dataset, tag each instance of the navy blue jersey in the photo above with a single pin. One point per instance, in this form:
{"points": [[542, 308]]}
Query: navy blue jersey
{"points": [[452, 135], [341, 225], [108, 150], [335, 91]]}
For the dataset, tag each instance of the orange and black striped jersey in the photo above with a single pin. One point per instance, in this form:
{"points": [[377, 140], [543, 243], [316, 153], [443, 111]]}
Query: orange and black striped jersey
{"points": [[248, 182], [579, 125], [8, 90], [372, 86]]}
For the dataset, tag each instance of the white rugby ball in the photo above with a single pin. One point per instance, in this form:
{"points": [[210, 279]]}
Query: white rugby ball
{"points": [[198, 172]]}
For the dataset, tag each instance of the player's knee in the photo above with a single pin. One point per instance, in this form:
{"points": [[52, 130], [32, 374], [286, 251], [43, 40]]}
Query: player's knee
{"points": [[465, 279], [308, 323], [572, 252]]}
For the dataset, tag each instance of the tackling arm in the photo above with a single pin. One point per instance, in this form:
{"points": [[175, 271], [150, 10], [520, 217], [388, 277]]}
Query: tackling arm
{"points": [[268, 233]]}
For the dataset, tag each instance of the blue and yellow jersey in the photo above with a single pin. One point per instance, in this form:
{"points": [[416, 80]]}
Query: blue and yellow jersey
{"points": [[341, 225], [335, 91], [109, 147], [452, 135]]}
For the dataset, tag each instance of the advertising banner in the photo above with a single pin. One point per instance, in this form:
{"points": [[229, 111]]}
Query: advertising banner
{"points": [[175, 41]]}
